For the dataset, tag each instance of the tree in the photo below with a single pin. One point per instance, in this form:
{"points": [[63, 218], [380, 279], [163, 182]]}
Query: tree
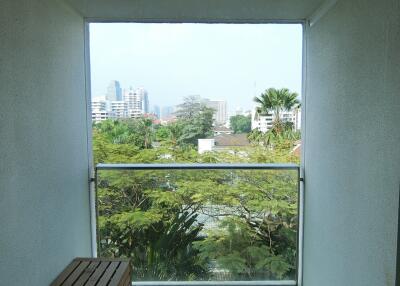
{"points": [[274, 101], [195, 120], [240, 123], [159, 218], [138, 132], [190, 107]]}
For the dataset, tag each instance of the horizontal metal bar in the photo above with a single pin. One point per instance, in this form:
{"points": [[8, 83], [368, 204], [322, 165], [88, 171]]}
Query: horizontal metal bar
{"points": [[196, 166], [216, 283]]}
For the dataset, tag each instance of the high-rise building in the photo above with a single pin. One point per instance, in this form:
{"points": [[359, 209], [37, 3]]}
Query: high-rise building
{"points": [[114, 91], [144, 98], [137, 102], [156, 111], [167, 112], [220, 107], [119, 108]]}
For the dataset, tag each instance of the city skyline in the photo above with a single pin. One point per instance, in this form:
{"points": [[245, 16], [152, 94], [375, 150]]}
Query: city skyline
{"points": [[172, 61]]}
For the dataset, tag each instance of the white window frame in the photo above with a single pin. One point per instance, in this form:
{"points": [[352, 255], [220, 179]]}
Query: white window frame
{"points": [[92, 198]]}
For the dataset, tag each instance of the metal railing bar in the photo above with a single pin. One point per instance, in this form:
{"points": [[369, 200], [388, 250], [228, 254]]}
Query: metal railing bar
{"points": [[215, 283], [197, 166]]}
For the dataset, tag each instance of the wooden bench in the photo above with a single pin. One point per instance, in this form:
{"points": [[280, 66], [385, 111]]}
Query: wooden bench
{"points": [[95, 271]]}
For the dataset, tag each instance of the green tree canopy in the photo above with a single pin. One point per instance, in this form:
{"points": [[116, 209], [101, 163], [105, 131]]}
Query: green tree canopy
{"points": [[275, 101], [195, 121], [240, 123]]}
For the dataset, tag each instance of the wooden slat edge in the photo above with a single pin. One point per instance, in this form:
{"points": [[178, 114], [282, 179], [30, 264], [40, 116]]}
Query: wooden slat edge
{"points": [[76, 273], [94, 279], [66, 273], [108, 273], [120, 274], [103, 259], [89, 271]]}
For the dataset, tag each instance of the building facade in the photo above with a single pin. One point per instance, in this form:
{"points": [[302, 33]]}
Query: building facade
{"points": [[114, 91], [119, 108], [264, 123], [100, 110], [137, 102], [167, 112], [220, 107]]}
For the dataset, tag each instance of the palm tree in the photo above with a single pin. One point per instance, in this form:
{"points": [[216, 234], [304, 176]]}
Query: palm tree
{"points": [[274, 101]]}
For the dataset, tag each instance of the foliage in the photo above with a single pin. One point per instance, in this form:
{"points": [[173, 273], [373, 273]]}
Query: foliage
{"points": [[137, 132], [240, 123], [276, 100], [194, 225], [195, 121], [283, 139]]}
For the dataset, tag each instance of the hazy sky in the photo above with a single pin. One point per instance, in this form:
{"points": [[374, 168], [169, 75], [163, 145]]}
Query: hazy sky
{"points": [[232, 62]]}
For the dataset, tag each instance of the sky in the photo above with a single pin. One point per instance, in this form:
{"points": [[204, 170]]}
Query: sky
{"points": [[232, 62]]}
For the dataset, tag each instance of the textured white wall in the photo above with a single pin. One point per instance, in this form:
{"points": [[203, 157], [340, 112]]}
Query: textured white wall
{"points": [[44, 208], [352, 161], [196, 10]]}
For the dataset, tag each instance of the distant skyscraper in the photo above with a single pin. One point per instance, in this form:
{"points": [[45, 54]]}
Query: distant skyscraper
{"points": [[220, 107], [137, 102], [167, 111], [156, 111], [114, 92], [144, 98]]}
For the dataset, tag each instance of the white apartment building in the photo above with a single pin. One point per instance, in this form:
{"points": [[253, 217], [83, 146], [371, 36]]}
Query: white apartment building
{"points": [[220, 107], [100, 110], [119, 108], [99, 104], [144, 99], [101, 115], [264, 122], [137, 102]]}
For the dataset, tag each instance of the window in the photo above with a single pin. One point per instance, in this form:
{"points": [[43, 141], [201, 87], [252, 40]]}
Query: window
{"points": [[174, 94]]}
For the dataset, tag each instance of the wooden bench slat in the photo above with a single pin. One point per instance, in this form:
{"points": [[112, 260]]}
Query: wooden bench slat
{"points": [[76, 274], [95, 271], [87, 273], [101, 259], [98, 273], [66, 273], [120, 273], [127, 280], [108, 273]]}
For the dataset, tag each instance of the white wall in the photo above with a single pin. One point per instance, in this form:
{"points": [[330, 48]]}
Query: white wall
{"points": [[196, 10], [352, 156], [44, 208]]}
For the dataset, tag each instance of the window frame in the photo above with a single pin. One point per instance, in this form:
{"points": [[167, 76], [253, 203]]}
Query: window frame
{"points": [[91, 168]]}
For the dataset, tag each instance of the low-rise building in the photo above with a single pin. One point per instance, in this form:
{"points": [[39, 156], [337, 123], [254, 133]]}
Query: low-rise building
{"points": [[223, 142], [264, 122], [222, 130], [101, 115]]}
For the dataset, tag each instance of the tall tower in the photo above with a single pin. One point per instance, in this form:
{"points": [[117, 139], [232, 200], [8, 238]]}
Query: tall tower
{"points": [[142, 93], [137, 102], [114, 92], [220, 107]]}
